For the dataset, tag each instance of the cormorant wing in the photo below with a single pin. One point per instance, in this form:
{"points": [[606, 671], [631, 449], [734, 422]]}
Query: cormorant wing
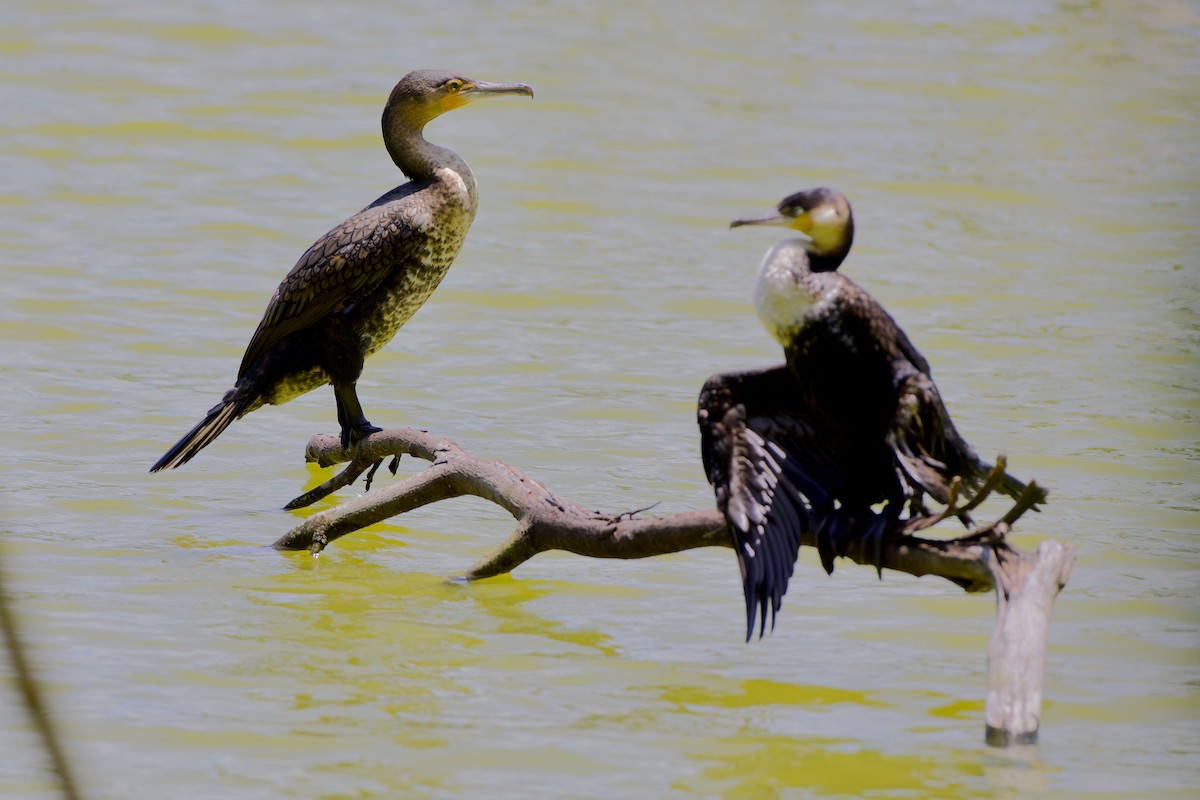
{"points": [[908, 350], [919, 435], [339, 268], [764, 460], [859, 305], [929, 449]]}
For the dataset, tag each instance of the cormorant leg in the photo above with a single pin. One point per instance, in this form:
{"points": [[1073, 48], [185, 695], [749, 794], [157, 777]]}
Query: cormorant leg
{"points": [[350, 415]]}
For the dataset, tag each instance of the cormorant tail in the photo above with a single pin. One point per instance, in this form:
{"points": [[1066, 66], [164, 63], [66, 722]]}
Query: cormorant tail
{"points": [[209, 428]]}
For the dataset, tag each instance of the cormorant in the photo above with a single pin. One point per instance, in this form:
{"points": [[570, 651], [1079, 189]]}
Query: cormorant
{"points": [[353, 289], [841, 438]]}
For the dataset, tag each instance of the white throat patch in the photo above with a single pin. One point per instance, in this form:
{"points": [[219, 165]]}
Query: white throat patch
{"points": [[780, 297]]}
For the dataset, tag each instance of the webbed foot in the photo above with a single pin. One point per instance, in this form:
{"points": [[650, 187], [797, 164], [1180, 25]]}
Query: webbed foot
{"points": [[352, 435]]}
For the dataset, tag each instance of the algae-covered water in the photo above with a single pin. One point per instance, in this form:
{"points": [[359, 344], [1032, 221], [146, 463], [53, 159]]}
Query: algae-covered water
{"points": [[1025, 180]]}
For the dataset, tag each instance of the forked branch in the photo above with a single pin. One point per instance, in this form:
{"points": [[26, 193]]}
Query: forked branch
{"points": [[1026, 584], [547, 522]]}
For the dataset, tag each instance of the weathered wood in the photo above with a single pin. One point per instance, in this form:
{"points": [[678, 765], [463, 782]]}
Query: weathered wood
{"points": [[1025, 584]]}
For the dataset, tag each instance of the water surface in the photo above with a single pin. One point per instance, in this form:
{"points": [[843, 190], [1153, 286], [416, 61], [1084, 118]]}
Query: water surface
{"points": [[1025, 179]]}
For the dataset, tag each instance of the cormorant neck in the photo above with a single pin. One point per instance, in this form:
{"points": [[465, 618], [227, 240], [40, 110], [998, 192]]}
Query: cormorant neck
{"points": [[829, 262], [784, 292], [417, 158], [796, 256]]}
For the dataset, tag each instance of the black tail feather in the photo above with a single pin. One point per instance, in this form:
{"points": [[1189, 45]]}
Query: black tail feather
{"points": [[214, 423]]}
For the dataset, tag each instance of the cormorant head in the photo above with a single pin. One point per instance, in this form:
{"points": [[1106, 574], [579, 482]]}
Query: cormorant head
{"points": [[425, 94], [823, 219]]}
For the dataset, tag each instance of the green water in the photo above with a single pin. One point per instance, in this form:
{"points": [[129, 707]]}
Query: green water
{"points": [[1025, 178]]}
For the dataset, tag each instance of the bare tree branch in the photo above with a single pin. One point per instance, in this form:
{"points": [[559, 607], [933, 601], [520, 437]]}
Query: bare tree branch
{"points": [[1026, 584], [546, 522]]}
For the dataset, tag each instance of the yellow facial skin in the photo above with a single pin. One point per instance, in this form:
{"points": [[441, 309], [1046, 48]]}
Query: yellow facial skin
{"points": [[825, 226], [803, 223], [457, 94]]}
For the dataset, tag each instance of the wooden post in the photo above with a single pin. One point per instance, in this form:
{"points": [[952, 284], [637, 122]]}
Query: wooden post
{"points": [[1026, 586]]}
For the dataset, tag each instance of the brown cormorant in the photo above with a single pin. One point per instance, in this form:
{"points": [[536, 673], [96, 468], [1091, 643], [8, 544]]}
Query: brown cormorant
{"points": [[845, 435], [353, 289]]}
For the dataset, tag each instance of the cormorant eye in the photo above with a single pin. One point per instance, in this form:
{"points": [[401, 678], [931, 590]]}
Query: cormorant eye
{"points": [[453, 85]]}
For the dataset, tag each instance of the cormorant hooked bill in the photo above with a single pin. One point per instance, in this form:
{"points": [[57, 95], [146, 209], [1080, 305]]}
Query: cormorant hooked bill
{"points": [[353, 289], [840, 438]]}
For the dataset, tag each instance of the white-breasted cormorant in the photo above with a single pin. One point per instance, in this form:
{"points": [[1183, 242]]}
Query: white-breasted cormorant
{"points": [[841, 438], [353, 289]]}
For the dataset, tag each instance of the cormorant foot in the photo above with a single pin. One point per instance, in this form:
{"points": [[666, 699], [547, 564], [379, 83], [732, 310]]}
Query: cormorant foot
{"points": [[371, 475], [352, 436]]}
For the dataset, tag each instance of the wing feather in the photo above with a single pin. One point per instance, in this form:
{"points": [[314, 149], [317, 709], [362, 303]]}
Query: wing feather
{"points": [[754, 455], [343, 265]]}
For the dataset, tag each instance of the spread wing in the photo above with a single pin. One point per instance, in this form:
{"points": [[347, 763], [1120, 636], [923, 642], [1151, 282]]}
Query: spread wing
{"points": [[919, 435], [347, 262], [770, 471], [929, 449]]}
